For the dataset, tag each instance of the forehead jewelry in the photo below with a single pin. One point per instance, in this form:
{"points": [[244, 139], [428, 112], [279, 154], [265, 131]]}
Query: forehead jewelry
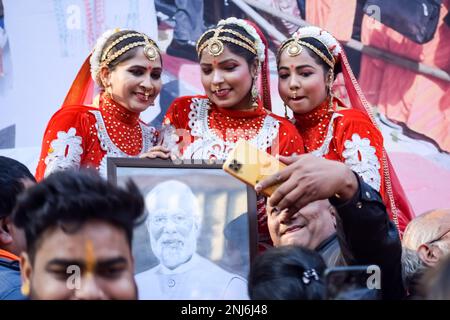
{"points": [[215, 47], [150, 50], [294, 49], [216, 43]]}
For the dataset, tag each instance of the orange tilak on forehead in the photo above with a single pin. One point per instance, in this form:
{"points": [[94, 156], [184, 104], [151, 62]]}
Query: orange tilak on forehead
{"points": [[90, 257]]}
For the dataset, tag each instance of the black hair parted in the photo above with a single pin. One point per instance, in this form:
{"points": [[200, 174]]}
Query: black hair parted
{"points": [[12, 176], [277, 274], [234, 48], [69, 199]]}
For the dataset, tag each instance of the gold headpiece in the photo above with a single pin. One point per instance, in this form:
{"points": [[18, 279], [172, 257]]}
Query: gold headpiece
{"points": [[150, 49], [294, 48], [215, 43]]}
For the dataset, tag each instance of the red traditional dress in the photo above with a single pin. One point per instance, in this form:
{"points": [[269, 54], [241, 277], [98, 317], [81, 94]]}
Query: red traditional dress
{"points": [[84, 136], [349, 136], [213, 131], [210, 133], [345, 135]]}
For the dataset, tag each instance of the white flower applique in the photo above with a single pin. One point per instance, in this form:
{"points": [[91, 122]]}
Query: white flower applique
{"points": [[361, 157], [64, 152]]}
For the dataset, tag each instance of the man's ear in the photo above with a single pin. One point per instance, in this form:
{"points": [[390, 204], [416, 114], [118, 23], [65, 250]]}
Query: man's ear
{"points": [[5, 235], [26, 269], [429, 254]]}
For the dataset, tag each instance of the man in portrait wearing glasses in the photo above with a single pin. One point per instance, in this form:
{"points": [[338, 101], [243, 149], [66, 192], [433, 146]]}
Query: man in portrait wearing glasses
{"points": [[425, 242], [173, 224]]}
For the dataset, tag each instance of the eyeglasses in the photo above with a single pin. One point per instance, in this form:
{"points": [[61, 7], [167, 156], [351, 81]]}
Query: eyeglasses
{"points": [[440, 238]]}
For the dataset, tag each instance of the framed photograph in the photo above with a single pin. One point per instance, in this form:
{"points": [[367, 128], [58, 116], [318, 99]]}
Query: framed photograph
{"points": [[199, 233]]}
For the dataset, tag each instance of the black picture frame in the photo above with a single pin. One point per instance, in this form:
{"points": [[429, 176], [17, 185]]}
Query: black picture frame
{"points": [[229, 199]]}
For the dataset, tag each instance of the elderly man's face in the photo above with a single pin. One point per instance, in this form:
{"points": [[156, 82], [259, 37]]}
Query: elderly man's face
{"points": [[173, 236], [308, 227]]}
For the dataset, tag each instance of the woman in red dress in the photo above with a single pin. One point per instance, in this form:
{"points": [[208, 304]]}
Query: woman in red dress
{"points": [[231, 55], [308, 63], [127, 66], [207, 127]]}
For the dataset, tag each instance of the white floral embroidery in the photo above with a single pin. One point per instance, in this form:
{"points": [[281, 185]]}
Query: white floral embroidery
{"points": [[64, 152], [208, 145], [361, 157]]}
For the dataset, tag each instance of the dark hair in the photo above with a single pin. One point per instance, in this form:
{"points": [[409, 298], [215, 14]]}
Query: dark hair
{"points": [[130, 54], [234, 48], [69, 199], [12, 174], [321, 47], [277, 274], [127, 55]]}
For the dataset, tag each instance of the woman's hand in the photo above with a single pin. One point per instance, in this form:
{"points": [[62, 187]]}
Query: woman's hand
{"points": [[156, 152]]}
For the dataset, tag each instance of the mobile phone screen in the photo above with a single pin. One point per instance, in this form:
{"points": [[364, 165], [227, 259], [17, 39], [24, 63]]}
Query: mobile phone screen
{"points": [[349, 283]]}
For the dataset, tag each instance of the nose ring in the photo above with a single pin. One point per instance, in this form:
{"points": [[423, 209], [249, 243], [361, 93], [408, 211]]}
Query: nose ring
{"points": [[294, 93]]}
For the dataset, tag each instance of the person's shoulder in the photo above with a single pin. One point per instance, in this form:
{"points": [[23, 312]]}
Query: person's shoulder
{"points": [[73, 112], [10, 283], [187, 100], [349, 115], [215, 271], [147, 273]]}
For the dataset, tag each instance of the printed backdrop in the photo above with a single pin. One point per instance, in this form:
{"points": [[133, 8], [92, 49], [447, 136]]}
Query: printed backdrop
{"points": [[48, 41]]}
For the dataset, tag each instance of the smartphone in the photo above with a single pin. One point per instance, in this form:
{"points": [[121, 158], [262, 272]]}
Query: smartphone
{"points": [[251, 165], [351, 283]]}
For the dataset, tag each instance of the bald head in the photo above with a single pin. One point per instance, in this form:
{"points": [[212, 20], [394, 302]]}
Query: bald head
{"points": [[426, 228], [425, 242]]}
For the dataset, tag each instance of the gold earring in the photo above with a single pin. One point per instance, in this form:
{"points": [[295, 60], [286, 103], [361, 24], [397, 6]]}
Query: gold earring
{"points": [[285, 111], [255, 93], [109, 91], [25, 288], [330, 90]]}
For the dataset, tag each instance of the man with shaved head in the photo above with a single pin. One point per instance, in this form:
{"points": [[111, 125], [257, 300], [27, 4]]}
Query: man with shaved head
{"points": [[173, 224], [425, 242]]}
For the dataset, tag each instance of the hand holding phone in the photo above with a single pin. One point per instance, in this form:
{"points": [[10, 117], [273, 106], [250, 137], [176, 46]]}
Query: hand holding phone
{"points": [[251, 165]]}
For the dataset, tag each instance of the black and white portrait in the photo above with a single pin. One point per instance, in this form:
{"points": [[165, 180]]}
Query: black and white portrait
{"points": [[199, 232]]}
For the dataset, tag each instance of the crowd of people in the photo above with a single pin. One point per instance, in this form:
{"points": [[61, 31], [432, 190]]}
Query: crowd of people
{"points": [[338, 202]]}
